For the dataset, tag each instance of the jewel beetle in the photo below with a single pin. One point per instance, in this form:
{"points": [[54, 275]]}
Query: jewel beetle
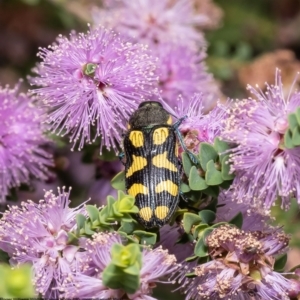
{"points": [[152, 167]]}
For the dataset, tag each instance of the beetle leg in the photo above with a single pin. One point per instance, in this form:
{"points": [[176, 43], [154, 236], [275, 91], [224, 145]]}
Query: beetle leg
{"points": [[121, 157], [184, 198], [192, 157]]}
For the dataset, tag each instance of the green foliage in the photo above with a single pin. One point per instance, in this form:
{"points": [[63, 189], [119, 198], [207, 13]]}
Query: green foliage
{"points": [[207, 153], [115, 216], [123, 272], [280, 263], [118, 182], [212, 173], [16, 283], [109, 217], [187, 163], [189, 220], [196, 182], [292, 135], [213, 176]]}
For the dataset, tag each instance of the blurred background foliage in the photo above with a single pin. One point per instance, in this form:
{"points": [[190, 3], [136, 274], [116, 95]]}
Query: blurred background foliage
{"points": [[253, 38]]}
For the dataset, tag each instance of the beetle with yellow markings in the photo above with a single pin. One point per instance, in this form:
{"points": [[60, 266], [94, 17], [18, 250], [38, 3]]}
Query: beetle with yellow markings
{"points": [[152, 168]]}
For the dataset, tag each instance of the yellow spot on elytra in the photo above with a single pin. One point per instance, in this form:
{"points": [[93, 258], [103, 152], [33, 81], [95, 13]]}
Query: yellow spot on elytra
{"points": [[160, 135], [169, 121], [146, 213], [161, 212], [137, 139], [138, 163], [168, 186], [161, 161], [128, 126], [138, 188]]}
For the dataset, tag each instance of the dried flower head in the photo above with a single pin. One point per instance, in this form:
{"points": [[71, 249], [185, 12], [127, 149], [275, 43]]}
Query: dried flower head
{"points": [[242, 267], [22, 141], [91, 83]]}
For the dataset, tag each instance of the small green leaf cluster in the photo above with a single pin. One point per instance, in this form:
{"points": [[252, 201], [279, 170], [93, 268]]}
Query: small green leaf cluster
{"points": [[212, 172], [115, 216], [123, 272], [16, 283], [109, 217], [198, 226], [292, 135]]}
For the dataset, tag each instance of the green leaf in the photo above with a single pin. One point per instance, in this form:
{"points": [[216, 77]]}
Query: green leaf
{"points": [[296, 136], [191, 258], [186, 162], [114, 278], [194, 196], [207, 153], [87, 229], [118, 182], [207, 216], [293, 122], [93, 212], [125, 256], [127, 227], [133, 270], [212, 191], [212, 175], [280, 263], [146, 238], [80, 221], [196, 182], [198, 229], [218, 224], [201, 247], [220, 146], [184, 188], [72, 239], [127, 205], [237, 220], [201, 250], [225, 171], [298, 115], [288, 139], [189, 220], [190, 275]]}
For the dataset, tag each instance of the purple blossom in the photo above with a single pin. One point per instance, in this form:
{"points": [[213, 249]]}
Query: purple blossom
{"points": [[155, 264], [241, 267], [91, 83], [22, 138], [153, 21], [38, 234], [200, 127], [265, 169], [181, 71]]}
